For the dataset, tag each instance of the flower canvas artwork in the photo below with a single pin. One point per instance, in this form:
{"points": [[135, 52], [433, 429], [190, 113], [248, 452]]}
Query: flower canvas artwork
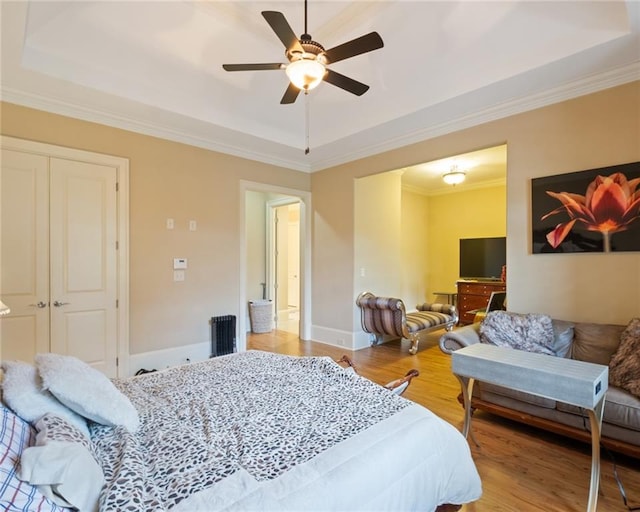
{"points": [[587, 211]]}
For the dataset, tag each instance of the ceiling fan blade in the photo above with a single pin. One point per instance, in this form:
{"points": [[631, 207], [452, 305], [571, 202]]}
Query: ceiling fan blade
{"points": [[290, 95], [252, 67], [363, 44], [346, 83], [281, 27]]}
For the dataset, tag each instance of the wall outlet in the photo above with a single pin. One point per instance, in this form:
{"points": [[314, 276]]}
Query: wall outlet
{"points": [[178, 275], [340, 342]]}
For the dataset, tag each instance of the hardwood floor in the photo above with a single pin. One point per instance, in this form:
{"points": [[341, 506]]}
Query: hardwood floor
{"points": [[522, 468]]}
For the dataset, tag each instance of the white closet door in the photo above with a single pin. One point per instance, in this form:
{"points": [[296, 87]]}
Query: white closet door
{"points": [[83, 262], [24, 260]]}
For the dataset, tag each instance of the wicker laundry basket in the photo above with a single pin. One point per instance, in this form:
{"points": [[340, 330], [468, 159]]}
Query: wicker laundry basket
{"points": [[261, 316]]}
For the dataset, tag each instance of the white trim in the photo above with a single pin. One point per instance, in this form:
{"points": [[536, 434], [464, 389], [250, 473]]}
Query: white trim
{"points": [[165, 358], [501, 110], [122, 167], [339, 338], [270, 240], [387, 142], [305, 256], [244, 149]]}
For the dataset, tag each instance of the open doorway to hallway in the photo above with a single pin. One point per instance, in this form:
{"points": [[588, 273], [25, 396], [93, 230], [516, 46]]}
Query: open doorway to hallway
{"points": [[283, 276], [258, 203]]}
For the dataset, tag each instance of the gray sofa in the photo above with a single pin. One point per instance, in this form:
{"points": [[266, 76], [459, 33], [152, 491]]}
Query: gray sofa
{"points": [[583, 341]]}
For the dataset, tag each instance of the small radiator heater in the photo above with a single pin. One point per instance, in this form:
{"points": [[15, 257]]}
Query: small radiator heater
{"points": [[223, 335]]}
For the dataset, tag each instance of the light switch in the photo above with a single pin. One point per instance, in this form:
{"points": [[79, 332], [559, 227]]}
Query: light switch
{"points": [[179, 263], [193, 225], [178, 275], [170, 223]]}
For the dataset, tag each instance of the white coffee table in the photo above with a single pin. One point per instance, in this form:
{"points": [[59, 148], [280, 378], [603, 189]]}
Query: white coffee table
{"points": [[565, 380]]}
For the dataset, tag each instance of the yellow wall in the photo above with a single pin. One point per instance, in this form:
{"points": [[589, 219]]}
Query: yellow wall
{"points": [[416, 229], [169, 180], [591, 131], [464, 214]]}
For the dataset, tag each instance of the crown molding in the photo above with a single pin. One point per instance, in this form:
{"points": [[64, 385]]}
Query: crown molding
{"points": [[153, 129], [570, 90], [248, 149]]}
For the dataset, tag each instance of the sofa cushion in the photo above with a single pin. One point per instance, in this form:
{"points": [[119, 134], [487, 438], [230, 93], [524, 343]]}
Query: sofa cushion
{"points": [[595, 343], [562, 337], [530, 332], [486, 390], [620, 408], [624, 367]]}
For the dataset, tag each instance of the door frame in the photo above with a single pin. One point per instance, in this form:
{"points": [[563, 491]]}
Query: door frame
{"points": [[271, 241], [305, 256], [122, 226]]}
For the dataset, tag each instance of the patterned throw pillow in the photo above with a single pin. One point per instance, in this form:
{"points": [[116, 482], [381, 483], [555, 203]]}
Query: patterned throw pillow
{"points": [[624, 367], [54, 428], [531, 332]]}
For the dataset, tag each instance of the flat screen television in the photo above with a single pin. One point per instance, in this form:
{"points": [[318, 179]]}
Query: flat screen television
{"points": [[482, 258]]}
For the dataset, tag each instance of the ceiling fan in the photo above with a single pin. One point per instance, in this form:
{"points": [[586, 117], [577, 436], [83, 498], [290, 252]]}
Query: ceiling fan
{"points": [[308, 60]]}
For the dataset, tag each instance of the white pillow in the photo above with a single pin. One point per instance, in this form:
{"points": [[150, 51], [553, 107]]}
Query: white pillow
{"points": [[22, 391], [62, 466], [87, 391]]}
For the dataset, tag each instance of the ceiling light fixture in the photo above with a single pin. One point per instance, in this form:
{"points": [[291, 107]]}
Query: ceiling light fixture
{"points": [[306, 73], [454, 176]]}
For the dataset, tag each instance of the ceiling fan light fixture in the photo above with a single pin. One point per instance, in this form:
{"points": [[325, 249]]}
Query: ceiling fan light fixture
{"points": [[305, 73], [454, 177]]}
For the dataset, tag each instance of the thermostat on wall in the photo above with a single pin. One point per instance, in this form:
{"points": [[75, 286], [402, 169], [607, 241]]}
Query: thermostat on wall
{"points": [[179, 263]]}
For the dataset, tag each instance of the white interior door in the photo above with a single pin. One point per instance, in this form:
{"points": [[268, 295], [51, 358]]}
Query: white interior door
{"points": [[293, 263], [24, 241], [59, 260], [83, 262]]}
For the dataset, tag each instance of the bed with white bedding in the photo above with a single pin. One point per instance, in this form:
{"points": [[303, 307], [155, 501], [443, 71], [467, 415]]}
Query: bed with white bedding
{"points": [[261, 431]]}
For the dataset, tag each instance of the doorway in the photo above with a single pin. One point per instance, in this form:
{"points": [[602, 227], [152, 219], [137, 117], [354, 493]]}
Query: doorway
{"points": [[283, 277], [258, 205]]}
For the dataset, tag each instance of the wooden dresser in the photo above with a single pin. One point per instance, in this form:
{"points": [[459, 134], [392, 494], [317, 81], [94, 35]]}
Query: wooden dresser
{"points": [[475, 295]]}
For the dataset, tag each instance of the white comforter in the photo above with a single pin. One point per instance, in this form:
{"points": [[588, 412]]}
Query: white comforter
{"points": [[411, 461], [260, 431]]}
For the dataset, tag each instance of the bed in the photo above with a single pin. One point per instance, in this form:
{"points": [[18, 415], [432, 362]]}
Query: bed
{"points": [[247, 431]]}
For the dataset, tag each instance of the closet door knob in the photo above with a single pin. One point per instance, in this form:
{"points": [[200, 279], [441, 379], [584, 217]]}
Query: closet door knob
{"points": [[58, 303], [39, 305]]}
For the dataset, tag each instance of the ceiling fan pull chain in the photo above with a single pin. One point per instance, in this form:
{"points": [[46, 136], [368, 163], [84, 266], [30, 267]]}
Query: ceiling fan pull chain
{"points": [[306, 121]]}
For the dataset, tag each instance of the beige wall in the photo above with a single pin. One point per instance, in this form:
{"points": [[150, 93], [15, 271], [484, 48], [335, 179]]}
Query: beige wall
{"points": [[186, 183], [596, 130], [169, 180]]}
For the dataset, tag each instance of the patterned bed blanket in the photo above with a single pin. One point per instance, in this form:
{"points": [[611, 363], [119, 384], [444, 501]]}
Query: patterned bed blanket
{"points": [[200, 423]]}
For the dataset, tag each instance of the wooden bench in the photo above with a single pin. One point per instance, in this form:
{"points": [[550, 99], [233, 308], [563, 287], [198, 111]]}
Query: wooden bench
{"points": [[382, 316]]}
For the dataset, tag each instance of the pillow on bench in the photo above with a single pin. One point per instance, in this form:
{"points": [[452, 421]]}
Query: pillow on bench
{"points": [[530, 332]]}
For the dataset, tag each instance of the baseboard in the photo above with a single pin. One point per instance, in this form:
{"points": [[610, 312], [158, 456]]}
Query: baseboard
{"points": [[333, 337], [160, 359], [345, 339]]}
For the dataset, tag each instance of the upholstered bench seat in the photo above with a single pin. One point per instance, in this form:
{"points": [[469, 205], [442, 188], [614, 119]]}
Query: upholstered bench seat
{"points": [[387, 316]]}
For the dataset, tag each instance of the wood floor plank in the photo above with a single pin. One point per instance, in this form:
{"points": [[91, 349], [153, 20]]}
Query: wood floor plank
{"points": [[523, 469]]}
